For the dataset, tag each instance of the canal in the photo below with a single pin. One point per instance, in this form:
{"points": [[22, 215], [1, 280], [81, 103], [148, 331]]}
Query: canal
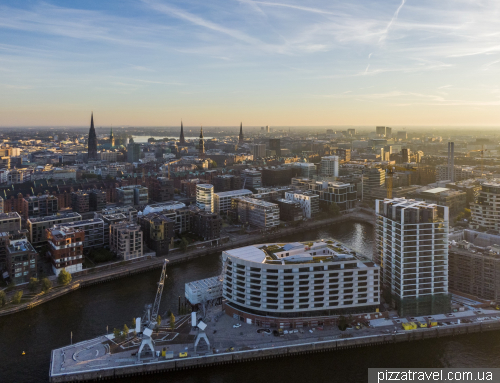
{"points": [[88, 312]]}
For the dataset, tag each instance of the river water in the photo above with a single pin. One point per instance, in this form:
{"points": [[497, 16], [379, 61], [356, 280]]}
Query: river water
{"points": [[88, 311]]}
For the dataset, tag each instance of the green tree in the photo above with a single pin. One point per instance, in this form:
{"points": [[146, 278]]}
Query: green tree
{"points": [[134, 324], [184, 244], [117, 333], [334, 209], [125, 330], [158, 320], [214, 164], [46, 285], [172, 321], [342, 323], [33, 284], [64, 278], [16, 299], [3, 298]]}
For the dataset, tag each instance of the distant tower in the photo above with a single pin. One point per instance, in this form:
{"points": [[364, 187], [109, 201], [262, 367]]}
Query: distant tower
{"points": [[92, 140], [181, 139], [451, 161], [112, 138], [241, 133], [202, 143]]}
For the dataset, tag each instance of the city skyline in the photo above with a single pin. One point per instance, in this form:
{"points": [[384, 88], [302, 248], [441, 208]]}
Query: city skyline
{"points": [[151, 63]]}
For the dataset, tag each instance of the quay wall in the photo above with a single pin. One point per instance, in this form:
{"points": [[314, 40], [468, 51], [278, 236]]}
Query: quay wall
{"points": [[275, 352]]}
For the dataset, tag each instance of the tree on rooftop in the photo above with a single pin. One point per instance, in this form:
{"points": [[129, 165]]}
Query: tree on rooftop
{"points": [[64, 278]]}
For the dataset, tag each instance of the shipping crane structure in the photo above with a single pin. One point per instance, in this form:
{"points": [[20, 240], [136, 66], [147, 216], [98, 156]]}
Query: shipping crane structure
{"points": [[148, 322]]}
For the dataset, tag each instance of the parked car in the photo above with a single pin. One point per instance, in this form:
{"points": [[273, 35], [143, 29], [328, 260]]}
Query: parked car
{"points": [[183, 354], [237, 325]]}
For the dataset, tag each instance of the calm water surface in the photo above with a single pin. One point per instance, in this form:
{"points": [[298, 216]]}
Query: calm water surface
{"points": [[88, 311]]}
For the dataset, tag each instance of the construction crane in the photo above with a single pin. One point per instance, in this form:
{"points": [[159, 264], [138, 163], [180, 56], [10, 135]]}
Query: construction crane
{"points": [[150, 317], [168, 166]]}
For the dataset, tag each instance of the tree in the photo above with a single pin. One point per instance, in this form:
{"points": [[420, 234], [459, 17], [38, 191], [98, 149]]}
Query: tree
{"points": [[125, 330], [172, 321], [134, 324], [46, 285], [184, 244], [16, 299], [3, 298], [64, 277], [33, 284], [158, 320], [214, 164], [334, 209], [117, 333]]}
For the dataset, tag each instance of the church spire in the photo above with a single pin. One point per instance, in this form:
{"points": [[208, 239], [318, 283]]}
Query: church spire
{"points": [[202, 143], [181, 138], [241, 133], [92, 152]]}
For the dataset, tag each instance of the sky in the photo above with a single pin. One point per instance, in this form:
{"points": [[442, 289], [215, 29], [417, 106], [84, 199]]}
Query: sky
{"points": [[278, 62]]}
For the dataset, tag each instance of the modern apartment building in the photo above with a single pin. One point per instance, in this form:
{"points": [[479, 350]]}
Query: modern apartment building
{"points": [[298, 284], [222, 200], [80, 201], [205, 197], [251, 179], [21, 258], [206, 225], [485, 211], [37, 226], [330, 166], [40, 206], [262, 214], [10, 222], [97, 200], [226, 182], [308, 201], [95, 230], [162, 189], [290, 210], [341, 193], [128, 211], [412, 248], [158, 231], [125, 240], [373, 178], [65, 249]]}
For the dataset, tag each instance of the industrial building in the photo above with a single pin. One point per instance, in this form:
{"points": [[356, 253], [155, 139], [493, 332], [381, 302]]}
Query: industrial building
{"points": [[222, 200], [294, 282], [412, 248]]}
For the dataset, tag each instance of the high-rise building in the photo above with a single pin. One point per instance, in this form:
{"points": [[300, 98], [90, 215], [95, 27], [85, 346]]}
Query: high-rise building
{"points": [[133, 152], [92, 153], [330, 166], [405, 155], [380, 130], [401, 135], [412, 249], [240, 140], [205, 197], [451, 161], [373, 178], [258, 151], [388, 132], [275, 145], [182, 141]]}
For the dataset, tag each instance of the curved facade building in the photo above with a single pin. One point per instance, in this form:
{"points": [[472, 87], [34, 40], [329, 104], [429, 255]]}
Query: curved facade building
{"points": [[298, 280]]}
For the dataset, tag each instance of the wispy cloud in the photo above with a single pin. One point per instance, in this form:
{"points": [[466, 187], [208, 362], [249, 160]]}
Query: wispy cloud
{"points": [[394, 18]]}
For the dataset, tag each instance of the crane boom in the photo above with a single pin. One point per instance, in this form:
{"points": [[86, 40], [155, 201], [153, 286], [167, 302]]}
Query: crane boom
{"points": [[161, 283]]}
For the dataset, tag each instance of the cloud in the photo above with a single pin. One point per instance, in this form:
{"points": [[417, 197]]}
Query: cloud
{"points": [[394, 18]]}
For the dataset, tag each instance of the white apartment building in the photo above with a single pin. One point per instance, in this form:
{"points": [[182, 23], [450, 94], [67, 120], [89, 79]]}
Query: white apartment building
{"points": [[298, 280], [222, 200], [485, 211], [330, 166], [125, 240], [205, 197], [412, 248], [307, 200], [255, 212]]}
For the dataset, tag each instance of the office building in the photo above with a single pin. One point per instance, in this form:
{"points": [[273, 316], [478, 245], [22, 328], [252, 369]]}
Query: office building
{"points": [[261, 214], [308, 201], [330, 166], [222, 201], [37, 227], [141, 197], [457, 172], [343, 154], [341, 193], [307, 169], [373, 178], [276, 176], [455, 200], [133, 152], [380, 130], [205, 197], [158, 231], [240, 138], [412, 248], [351, 132], [97, 200], [259, 151], [40, 206], [162, 189], [251, 179], [65, 249], [125, 240], [401, 135], [298, 284], [226, 182], [132, 195]]}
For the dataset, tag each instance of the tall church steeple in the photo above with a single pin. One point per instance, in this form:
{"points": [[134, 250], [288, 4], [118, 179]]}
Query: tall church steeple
{"points": [[112, 138], [241, 133], [202, 143], [92, 153], [181, 138]]}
